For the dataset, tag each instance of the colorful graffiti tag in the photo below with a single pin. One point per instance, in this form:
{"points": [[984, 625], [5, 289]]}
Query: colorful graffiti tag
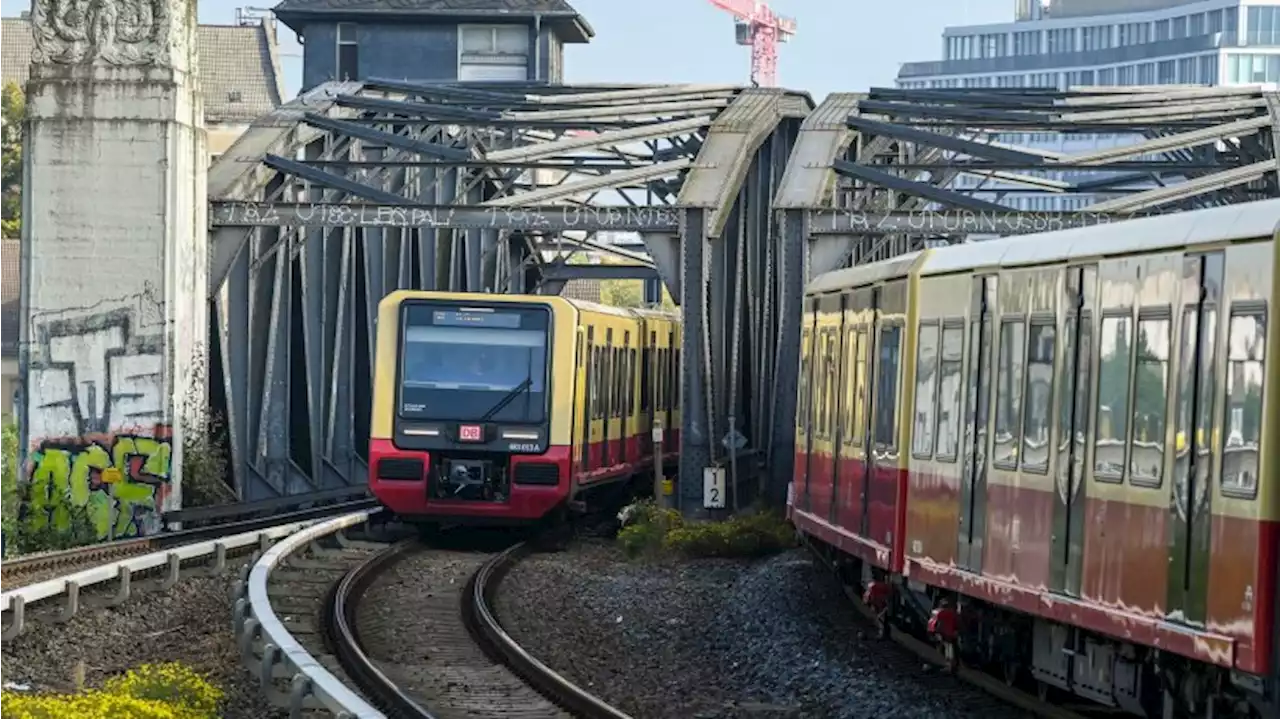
{"points": [[100, 438], [119, 481]]}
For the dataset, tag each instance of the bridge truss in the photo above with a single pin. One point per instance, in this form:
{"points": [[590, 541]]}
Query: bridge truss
{"points": [[358, 189], [739, 197]]}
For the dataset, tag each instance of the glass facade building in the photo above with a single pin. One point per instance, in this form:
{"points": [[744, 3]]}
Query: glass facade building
{"points": [[1072, 43]]}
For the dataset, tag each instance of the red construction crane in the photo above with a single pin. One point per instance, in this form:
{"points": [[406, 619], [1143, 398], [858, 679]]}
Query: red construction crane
{"points": [[757, 25]]}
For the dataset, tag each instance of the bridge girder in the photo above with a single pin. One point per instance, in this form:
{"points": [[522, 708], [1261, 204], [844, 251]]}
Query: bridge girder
{"points": [[874, 175], [357, 189]]}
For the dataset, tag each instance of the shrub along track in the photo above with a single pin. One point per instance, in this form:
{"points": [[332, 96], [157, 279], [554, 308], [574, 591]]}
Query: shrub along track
{"points": [[463, 664]]}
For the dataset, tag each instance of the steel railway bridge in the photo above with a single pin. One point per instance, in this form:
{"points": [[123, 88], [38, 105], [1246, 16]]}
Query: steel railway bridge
{"points": [[739, 195]]}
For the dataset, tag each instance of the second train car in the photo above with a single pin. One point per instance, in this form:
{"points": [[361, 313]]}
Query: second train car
{"points": [[1059, 454], [508, 409]]}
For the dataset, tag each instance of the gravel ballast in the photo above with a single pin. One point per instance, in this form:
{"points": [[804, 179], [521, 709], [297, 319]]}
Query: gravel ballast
{"points": [[189, 623], [713, 639]]}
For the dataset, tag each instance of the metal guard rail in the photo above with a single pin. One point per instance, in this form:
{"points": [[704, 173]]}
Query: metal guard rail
{"points": [[15, 601], [311, 685]]}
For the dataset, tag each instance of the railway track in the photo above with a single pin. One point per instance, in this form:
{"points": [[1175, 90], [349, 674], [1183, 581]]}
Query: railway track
{"points": [[1005, 699], [472, 668], [32, 568]]}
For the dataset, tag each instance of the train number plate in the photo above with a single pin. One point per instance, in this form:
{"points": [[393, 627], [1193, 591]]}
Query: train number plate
{"points": [[470, 433]]}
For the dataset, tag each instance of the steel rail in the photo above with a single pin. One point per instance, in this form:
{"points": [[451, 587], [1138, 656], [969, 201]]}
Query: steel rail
{"points": [[345, 637], [481, 624], [488, 632]]}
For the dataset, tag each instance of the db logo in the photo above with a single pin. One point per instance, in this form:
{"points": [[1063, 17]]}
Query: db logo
{"points": [[470, 433]]}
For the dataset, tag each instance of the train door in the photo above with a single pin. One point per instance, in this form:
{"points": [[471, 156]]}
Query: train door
{"points": [[1076, 382], [973, 483], [592, 399], [868, 426], [1193, 459]]}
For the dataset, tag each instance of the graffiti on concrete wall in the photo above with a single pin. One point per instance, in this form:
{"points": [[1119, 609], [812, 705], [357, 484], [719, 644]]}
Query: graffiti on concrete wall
{"points": [[118, 481], [99, 430]]}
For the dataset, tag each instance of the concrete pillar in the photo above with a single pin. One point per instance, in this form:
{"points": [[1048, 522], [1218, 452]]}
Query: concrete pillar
{"points": [[115, 247]]}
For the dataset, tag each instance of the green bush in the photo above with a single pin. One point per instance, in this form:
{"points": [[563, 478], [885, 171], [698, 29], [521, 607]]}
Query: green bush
{"points": [[9, 480], [645, 524], [205, 470], [650, 530], [206, 475]]}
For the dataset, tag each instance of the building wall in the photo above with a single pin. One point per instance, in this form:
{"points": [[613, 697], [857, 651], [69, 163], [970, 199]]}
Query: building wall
{"points": [[221, 136], [412, 52], [8, 385]]}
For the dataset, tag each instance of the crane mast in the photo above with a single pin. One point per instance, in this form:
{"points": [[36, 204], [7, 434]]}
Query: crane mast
{"points": [[757, 25]]}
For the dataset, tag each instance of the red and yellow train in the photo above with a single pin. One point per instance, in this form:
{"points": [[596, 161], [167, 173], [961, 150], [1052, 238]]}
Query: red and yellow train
{"points": [[509, 409], [1059, 455]]}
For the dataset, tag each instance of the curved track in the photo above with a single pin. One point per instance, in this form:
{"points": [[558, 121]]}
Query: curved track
{"points": [[474, 669]]}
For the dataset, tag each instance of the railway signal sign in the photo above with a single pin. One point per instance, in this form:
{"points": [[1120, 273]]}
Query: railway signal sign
{"points": [[713, 488]]}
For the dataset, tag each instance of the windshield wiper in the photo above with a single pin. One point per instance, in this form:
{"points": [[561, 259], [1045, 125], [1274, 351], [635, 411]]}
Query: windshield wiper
{"points": [[508, 398]]}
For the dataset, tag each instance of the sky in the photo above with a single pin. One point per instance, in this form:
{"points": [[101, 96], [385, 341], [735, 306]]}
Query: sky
{"points": [[840, 45]]}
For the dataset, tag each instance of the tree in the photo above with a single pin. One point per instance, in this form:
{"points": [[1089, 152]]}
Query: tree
{"points": [[13, 108]]}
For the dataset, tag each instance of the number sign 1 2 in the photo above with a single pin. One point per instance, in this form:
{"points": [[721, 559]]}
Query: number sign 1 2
{"points": [[713, 488]]}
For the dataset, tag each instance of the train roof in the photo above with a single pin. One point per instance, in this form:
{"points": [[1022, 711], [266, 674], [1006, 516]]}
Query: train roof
{"points": [[862, 275], [1249, 220], [627, 312], [656, 313]]}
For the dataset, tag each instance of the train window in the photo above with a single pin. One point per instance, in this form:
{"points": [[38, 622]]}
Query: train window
{"points": [[949, 384], [619, 381], [661, 374], [1076, 383], [1150, 401], [631, 382], [675, 374], [848, 390], [833, 380], [886, 417], [668, 369], [1008, 430], [1038, 414], [646, 373], [802, 386], [926, 385], [823, 361], [829, 383], [1242, 425], [862, 348], [597, 368], [1115, 356]]}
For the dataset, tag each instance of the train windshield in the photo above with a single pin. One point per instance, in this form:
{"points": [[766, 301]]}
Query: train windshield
{"points": [[459, 364]]}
